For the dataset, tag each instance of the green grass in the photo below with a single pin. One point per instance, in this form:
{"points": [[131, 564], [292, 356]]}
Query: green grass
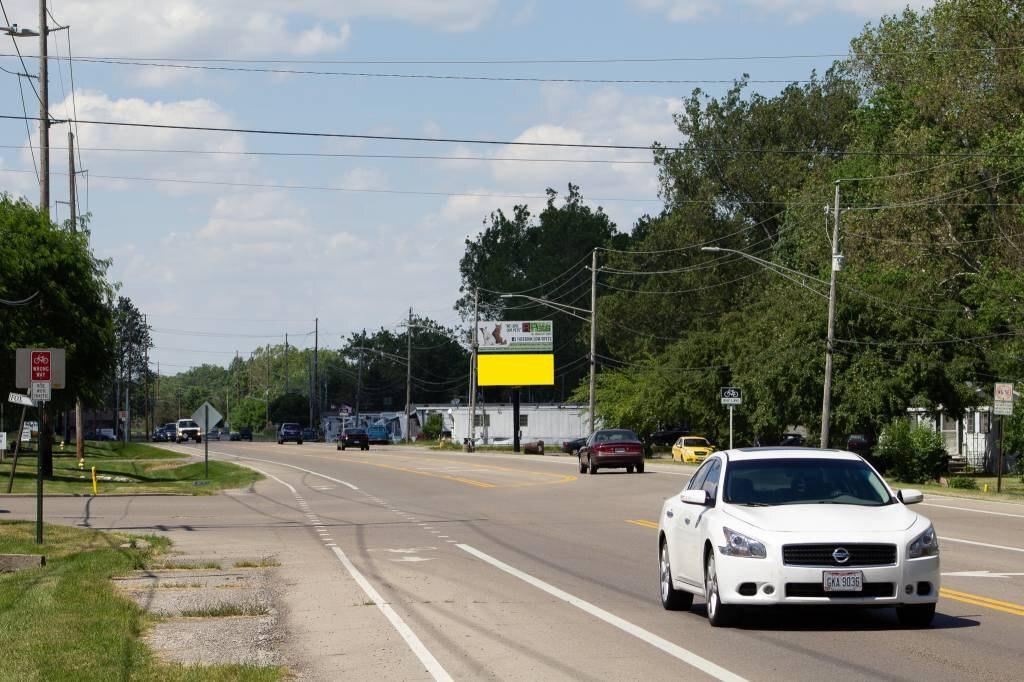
{"points": [[1013, 488], [65, 621], [265, 562], [226, 610], [184, 566], [148, 470]]}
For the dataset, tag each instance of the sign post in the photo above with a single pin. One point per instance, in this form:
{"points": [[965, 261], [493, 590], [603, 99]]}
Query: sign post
{"points": [[206, 416], [731, 397], [1003, 407]]}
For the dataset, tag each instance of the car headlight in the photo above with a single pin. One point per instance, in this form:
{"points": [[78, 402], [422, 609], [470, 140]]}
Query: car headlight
{"points": [[738, 544], [925, 544]]}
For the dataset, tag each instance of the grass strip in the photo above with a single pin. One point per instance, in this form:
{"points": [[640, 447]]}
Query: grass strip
{"points": [[65, 621]]}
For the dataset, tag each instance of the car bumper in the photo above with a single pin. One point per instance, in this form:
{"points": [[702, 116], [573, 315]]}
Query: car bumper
{"points": [[615, 461], [775, 583]]}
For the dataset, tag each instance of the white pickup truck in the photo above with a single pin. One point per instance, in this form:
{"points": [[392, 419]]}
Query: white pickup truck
{"points": [[186, 429]]}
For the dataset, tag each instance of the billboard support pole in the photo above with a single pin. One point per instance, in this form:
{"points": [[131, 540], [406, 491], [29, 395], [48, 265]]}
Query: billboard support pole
{"points": [[593, 338], [515, 420]]}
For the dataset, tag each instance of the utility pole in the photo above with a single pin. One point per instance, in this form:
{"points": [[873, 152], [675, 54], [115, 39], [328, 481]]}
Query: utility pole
{"points": [[359, 374], [474, 348], [268, 383], [316, 375], [408, 379], [44, 115], [146, 412], [837, 259], [73, 202], [593, 338], [286, 385]]}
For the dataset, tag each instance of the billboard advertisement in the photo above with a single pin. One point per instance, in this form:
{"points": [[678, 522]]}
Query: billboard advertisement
{"points": [[515, 337]]}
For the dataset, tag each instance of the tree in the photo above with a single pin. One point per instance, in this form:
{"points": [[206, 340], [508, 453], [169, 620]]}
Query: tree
{"points": [[72, 309], [250, 413]]}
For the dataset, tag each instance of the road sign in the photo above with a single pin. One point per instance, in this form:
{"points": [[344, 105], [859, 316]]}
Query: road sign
{"points": [[40, 391], [731, 395], [3, 441], [199, 417], [19, 399], [26, 432], [39, 364], [1003, 403], [515, 337]]}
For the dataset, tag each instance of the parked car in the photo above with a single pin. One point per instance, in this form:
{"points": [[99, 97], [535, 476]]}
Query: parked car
{"points": [[667, 436], [236, 435], [691, 449], [245, 433], [213, 434], [97, 435], [186, 429], [353, 437], [571, 447], [862, 445], [289, 432], [310, 435], [777, 526], [164, 434], [792, 440], [378, 435], [612, 449]]}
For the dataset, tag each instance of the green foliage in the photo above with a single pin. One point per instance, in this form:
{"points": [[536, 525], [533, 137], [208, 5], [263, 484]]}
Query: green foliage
{"points": [[963, 483], [250, 413], [290, 407], [433, 427], [912, 453]]}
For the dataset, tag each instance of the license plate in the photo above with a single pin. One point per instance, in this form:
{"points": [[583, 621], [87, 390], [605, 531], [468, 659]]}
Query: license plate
{"points": [[618, 450], [843, 581]]}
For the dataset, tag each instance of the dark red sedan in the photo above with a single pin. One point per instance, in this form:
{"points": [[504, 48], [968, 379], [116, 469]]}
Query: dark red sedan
{"points": [[612, 449]]}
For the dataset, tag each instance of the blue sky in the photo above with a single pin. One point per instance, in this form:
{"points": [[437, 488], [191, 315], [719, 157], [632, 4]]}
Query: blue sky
{"points": [[223, 268]]}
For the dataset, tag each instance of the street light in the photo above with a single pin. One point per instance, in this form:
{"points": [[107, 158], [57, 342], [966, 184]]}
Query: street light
{"points": [[16, 32], [826, 401]]}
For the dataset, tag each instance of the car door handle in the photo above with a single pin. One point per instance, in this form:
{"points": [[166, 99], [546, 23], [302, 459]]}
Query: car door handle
{"points": [[687, 520], [669, 513]]}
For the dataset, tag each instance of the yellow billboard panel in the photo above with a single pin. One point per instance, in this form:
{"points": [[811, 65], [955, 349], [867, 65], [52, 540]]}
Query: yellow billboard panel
{"points": [[515, 370]]}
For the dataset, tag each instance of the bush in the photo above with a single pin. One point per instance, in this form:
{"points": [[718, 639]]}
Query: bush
{"points": [[433, 427], [963, 482], [914, 454]]}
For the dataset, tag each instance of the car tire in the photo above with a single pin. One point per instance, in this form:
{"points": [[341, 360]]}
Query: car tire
{"points": [[280, 442], [583, 467], [590, 466], [671, 598], [338, 447], [640, 468], [298, 442], [916, 615], [365, 447], [629, 468], [719, 615], [342, 446]]}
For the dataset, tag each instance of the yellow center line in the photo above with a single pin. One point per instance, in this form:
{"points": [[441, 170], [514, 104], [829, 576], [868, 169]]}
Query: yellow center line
{"points": [[965, 597], [978, 600]]}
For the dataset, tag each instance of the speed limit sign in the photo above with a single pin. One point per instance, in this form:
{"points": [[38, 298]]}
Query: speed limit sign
{"points": [[731, 395]]}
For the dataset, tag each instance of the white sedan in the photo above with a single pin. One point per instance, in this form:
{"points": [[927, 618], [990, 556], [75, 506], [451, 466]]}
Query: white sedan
{"points": [[767, 526]]}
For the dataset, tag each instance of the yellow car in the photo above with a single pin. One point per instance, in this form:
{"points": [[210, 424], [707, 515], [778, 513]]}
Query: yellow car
{"points": [[691, 449]]}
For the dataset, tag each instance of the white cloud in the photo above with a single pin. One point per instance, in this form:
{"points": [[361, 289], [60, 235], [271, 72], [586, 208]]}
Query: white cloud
{"points": [[240, 220], [791, 10], [363, 178], [240, 28]]}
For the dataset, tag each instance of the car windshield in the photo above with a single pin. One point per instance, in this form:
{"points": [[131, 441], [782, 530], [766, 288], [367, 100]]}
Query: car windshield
{"points": [[695, 443], [615, 436], [768, 482], [188, 424]]}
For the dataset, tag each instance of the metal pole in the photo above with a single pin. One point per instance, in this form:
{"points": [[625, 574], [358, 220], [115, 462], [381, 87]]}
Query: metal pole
{"points": [[206, 442], [359, 375], [268, 383], [593, 338], [39, 478], [474, 346], [408, 379], [515, 420], [999, 464], [730, 426], [316, 373], [826, 400], [73, 201], [286, 382]]}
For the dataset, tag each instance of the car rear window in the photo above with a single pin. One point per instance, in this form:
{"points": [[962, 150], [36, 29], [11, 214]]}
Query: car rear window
{"points": [[615, 435], [694, 443], [355, 431]]}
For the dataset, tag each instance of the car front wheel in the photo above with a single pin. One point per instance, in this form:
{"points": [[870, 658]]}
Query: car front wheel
{"points": [[590, 466], [671, 598], [719, 614], [916, 615]]}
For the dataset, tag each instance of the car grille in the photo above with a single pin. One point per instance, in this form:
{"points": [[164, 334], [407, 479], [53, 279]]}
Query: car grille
{"points": [[818, 590], [821, 555]]}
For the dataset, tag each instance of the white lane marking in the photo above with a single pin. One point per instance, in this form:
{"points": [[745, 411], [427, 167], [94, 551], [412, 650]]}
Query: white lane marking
{"points": [[684, 655], [946, 538], [414, 558], [979, 574], [968, 509], [291, 466], [421, 651], [426, 658]]}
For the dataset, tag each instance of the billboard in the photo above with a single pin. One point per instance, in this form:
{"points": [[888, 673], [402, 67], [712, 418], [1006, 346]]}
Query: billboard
{"points": [[500, 369], [515, 337]]}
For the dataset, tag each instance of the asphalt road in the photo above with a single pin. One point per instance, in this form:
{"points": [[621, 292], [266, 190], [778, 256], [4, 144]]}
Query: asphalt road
{"points": [[406, 563]]}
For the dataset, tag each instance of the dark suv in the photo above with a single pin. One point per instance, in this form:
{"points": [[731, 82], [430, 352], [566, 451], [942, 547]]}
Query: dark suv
{"points": [[353, 437], [289, 432], [245, 433]]}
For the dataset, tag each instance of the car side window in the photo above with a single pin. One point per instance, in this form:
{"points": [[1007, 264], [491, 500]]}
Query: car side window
{"points": [[697, 480], [710, 483]]}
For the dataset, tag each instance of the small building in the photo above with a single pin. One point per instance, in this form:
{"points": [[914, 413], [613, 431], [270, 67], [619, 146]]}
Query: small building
{"points": [[552, 424], [971, 440]]}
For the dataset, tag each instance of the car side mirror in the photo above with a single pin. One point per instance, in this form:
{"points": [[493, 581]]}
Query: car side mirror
{"points": [[695, 497], [909, 496]]}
